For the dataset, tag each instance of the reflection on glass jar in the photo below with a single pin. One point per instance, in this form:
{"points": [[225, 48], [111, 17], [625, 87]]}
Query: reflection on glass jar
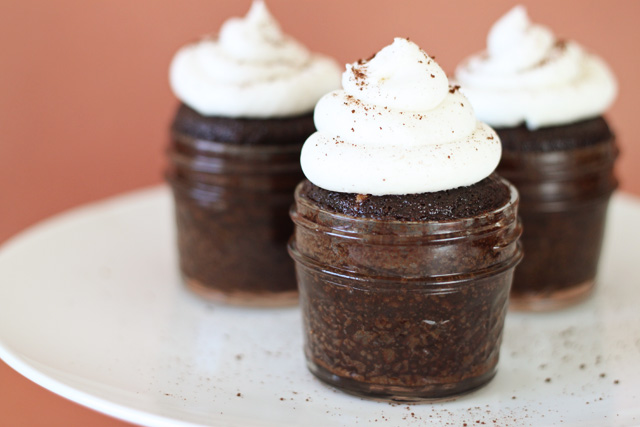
{"points": [[231, 203], [403, 310], [564, 194]]}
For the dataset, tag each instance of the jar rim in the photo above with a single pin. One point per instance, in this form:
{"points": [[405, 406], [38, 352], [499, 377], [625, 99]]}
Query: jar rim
{"points": [[441, 282], [347, 225], [216, 147]]}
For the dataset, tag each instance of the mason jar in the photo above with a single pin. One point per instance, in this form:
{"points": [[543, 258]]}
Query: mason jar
{"points": [[564, 194], [231, 208], [403, 310]]}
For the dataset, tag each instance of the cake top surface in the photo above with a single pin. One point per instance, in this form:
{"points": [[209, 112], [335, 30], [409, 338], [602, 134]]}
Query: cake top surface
{"points": [[528, 75], [252, 70], [397, 127], [572, 136], [464, 202], [241, 131]]}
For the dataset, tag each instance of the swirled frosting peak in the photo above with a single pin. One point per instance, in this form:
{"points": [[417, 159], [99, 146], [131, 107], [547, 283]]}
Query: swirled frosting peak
{"points": [[528, 75], [397, 128], [401, 76], [251, 70]]}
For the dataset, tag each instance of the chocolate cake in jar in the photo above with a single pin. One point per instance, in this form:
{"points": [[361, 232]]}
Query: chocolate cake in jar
{"points": [[405, 240], [246, 103], [546, 98]]}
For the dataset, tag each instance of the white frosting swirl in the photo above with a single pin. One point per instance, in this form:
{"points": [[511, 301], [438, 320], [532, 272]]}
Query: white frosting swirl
{"points": [[527, 75], [397, 128], [252, 70]]}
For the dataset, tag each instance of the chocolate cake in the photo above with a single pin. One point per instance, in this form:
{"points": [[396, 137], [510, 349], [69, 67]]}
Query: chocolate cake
{"points": [[242, 131], [233, 181], [404, 310], [565, 177], [408, 341], [232, 244], [405, 241], [555, 138], [462, 202], [546, 97], [246, 106]]}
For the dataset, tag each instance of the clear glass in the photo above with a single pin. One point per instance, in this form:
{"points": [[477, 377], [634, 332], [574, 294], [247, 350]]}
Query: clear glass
{"points": [[404, 310], [563, 204], [231, 204]]}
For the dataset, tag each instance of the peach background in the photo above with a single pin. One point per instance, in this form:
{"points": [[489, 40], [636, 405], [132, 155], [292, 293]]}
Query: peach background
{"points": [[85, 104]]}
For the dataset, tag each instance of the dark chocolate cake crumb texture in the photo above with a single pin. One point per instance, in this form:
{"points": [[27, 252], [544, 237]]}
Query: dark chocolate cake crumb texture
{"points": [[565, 176], [463, 202], [555, 138], [241, 131], [231, 205]]}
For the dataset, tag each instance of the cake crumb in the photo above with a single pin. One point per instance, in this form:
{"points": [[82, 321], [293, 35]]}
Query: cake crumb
{"points": [[361, 198]]}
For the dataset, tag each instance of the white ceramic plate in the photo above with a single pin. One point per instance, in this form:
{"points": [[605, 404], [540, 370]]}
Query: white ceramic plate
{"points": [[91, 307]]}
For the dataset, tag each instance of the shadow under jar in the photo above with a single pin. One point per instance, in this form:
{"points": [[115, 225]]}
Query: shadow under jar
{"points": [[565, 178], [233, 182], [403, 310]]}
